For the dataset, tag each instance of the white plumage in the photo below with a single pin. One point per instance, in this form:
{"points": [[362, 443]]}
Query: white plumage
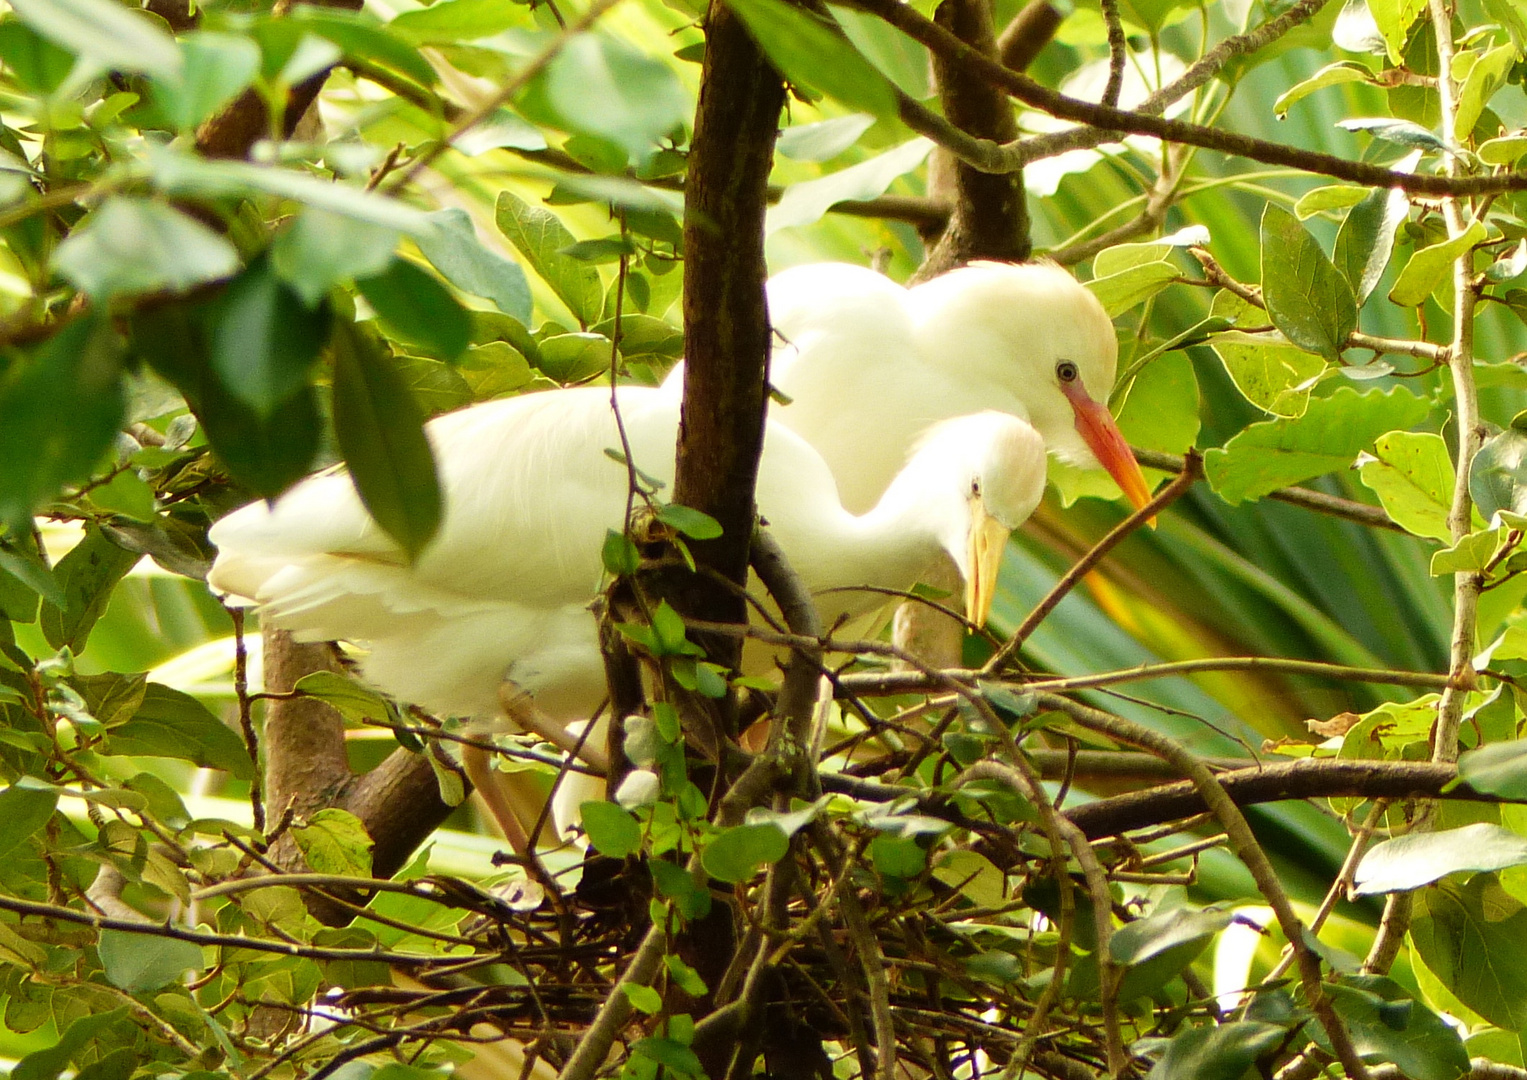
{"points": [[869, 364], [502, 592]]}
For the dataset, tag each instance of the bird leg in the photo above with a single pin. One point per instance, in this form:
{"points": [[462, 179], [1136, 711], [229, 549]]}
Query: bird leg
{"points": [[494, 788], [520, 707]]}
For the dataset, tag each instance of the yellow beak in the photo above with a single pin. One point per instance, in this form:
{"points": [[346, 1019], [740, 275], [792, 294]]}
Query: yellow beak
{"points": [[988, 540]]}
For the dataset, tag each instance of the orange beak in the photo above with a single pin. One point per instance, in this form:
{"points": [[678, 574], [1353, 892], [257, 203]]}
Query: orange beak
{"points": [[1096, 426]]}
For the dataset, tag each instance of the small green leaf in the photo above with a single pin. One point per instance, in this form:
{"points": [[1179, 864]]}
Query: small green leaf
{"points": [[1330, 197], [811, 51], [612, 830], [46, 1064], [1497, 769], [670, 634], [354, 701], [450, 21], [1488, 75], [139, 962], [1343, 71], [824, 140], [572, 358], [685, 977], [1217, 1051], [1307, 299], [335, 842], [265, 339], [805, 202], [735, 854], [644, 998], [1129, 288], [1329, 436], [1394, 19], [1412, 474], [539, 236], [1473, 552], [322, 248], [1498, 474], [1366, 239], [669, 1053], [1506, 150], [619, 554], [88, 574], [381, 434], [1408, 862], [59, 412], [416, 308], [467, 263], [1429, 267], [23, 810], [1406, 133], [689, 521], [136, 245], [897, 856], [604, 87]]}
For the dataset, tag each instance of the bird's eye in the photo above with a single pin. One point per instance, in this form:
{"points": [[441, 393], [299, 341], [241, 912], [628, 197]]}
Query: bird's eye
{"points": [[975, 489], [1066, 371]]}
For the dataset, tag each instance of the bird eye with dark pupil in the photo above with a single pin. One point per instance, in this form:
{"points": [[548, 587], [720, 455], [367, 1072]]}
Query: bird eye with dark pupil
{"points": [[1065, 371]]}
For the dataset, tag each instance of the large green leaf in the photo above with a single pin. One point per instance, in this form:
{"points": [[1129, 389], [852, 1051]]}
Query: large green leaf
{"points": [[215, 68], [540, 237], [1388, 1027], [417, 309], [103, 34], [1408, 862], [88, 574], [1329, 436], [810, 51], [451, 21], [1366, 239], [1431, 266], [467, 263], [322, 248], [171, 724], [1498, 473], [46, 1064], [139, 962], [737, 853], [1216, 1051], [265, 339], [59, 412], [1497, 769], [381, 434], [335, 842], [1412, 475], [1473, 937], [1306, 297], [23, 810], [1272, 374], [137, 245], [604, 87]]}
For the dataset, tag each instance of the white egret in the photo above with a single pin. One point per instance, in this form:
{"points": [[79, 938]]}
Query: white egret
{"points": [[502, 593], [867, 365]]}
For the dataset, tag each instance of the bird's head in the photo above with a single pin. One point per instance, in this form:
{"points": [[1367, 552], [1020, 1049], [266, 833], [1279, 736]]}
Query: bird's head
{"points": [[987, 474], [1034, 333]]}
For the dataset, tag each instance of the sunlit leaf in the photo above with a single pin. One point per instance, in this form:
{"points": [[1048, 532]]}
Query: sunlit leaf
{"points": [[1473, 937], [137, 245], [539, 236], [1408, 862], [104, 35], [810, 51], [468, 264], [1412, 474], [1306, 297]]}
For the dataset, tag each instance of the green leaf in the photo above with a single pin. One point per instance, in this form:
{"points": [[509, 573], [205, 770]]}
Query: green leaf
{"points": [[1306, 297], [604, 87], [572, 358], [643, 998], [335, 842], [619, 554], [454, 249], [1388, 1027], [494, 369], [136, 245], [1394, 18], [806, 202], [1408, 862], [215, 68], [321, 249], [1497, 769], [1331, 197], [823, 140], [47, 1064], [1431, 266], [1413, 477], [669, 1053], [360, 36], [354, 701], [88, 574], [1129, 288], [104, 35], [413, 306], [36, 62], [1366, 239], [381, 435], [689, 521], [1329, 436], [23, 810], [685, 977], [1486, 77], [1343, 71], [539, 236], [265, 339], [171, 724], [139, 962], [1498, 474], [811, 51], [1506, 150], [611, 829], [1473, 936], [896, 856], [1217, 1051], [450, 21], [59, 412], [1406, 133], [1473, 552], [1272, 374], [736, 853]]}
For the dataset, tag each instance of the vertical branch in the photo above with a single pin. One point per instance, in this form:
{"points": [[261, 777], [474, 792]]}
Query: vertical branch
{"points": [[726, 323], [305, 763], [1466, 584]]}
